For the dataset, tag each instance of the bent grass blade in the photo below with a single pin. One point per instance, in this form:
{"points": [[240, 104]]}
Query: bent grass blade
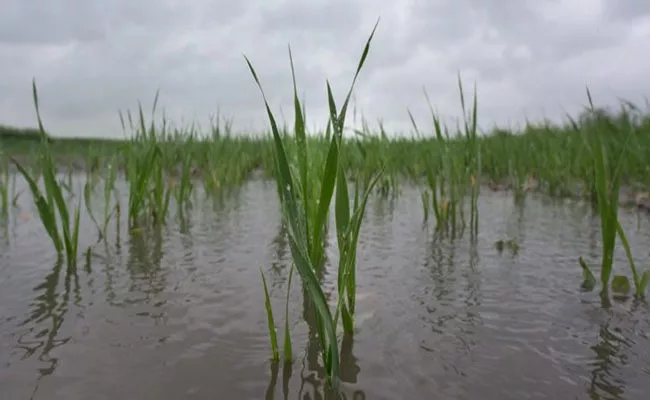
{"points": [[52, 201], [45, 209]]}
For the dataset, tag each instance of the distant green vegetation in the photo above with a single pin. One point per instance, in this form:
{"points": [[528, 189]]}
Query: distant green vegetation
{"points": [[554, 154], [12, 134]]}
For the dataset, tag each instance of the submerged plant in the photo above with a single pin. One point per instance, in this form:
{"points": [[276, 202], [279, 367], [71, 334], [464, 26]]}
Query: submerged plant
{"points": [[4, 191], [607, 187], [109, 187], [149, 191], [449, 175], [288, 351], [8, 194], [305, 212], [52, 203]]}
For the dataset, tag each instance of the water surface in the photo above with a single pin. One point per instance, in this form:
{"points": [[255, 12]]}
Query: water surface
{"points": [[180, 313]]}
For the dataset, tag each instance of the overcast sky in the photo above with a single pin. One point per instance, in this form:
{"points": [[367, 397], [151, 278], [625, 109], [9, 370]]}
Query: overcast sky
{"points": [[529, 58]]}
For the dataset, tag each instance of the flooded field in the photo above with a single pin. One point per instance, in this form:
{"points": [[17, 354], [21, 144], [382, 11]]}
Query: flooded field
{"points": [[179, 314]]}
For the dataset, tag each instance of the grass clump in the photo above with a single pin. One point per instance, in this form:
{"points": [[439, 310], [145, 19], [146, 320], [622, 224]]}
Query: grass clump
{"points": [[51, 206], [305, 207], [109, 189], [288, 350], [451, 174], [8, 195], [606, 185]]}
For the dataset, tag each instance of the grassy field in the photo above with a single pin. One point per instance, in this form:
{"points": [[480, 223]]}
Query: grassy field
{"points": [[598, 156], [556, 156]]}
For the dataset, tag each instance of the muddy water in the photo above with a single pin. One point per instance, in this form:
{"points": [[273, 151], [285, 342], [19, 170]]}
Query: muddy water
{"points": [[180, 313]]}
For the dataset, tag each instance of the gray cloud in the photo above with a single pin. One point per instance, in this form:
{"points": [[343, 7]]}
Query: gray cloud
{"points": [[528, 58]]}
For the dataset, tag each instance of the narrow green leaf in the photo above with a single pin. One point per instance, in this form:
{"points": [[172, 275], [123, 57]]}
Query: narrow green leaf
{"points": [[288, 352], [342, 206], [644, 282], [88, 201], [270, 321], [45, 209], [298, 243], [327, 190]]}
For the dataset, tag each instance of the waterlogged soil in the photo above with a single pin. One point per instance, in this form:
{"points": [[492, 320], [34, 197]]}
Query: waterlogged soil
{"points": [[179, 314]]}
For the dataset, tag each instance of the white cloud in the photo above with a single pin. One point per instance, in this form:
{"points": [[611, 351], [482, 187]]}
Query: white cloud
{"points": [[528, 58]]}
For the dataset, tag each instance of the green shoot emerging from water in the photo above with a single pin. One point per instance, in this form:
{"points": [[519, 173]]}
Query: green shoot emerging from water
{"points": [[52, 202], [607, 186], [305, 212], [288, 351]]}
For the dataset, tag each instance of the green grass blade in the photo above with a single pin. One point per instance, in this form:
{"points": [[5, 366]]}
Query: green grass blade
{"points": [[342, 206], [298, 244], [288, 193], [317, 297], [645, 277], [356, 220], [45, 209], [628, 252], [341, 118], [288, 352], [88, 201], [44, 138], [303, 162], [326, 191], [269, 318], [347, 265], [72, 257]]}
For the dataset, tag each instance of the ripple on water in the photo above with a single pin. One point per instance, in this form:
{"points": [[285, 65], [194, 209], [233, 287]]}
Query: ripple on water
{"points": [[180, 314]]}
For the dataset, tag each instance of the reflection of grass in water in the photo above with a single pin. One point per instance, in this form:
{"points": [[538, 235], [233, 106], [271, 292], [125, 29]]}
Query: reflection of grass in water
{"points": [[311, 385], [510, 244], [606, 352], [608, 357], [144, 263], [8, 195], [47, 306]]}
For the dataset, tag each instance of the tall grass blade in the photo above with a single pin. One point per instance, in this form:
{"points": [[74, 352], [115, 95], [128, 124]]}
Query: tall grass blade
{"points": [[298, 243], [288, 352], [271, 322]]}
